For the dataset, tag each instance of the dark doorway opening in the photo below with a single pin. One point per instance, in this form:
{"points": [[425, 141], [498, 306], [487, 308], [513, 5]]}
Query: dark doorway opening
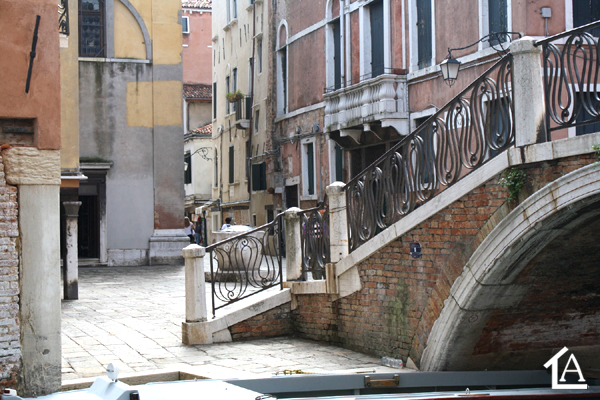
{"points": [[291, 196]]}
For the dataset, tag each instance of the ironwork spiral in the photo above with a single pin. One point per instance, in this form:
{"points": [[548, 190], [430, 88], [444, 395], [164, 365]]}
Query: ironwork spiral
{"points": [[315, 241], [246, 264], [571, 76], [63, 17], [460, 137]]}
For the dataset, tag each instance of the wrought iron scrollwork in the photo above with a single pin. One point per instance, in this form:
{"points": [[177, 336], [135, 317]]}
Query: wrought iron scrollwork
{"points": [[314, 224], [246, 264], [467, 132], [571, 77], [63, 17]]}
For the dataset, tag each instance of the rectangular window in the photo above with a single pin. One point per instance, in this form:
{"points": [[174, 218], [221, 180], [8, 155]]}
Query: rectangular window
{"points": [[259, 176], [424, 32], [250, 72], [231, 165], [91, 28], [585, 12], [185, 24], [248, 156], [228, 11], [234, 8], [256, 121], [309, 168], [214, 100], [337, 53], [234, 89], [283, 58], [216, 170], [259, 54], [227, 90], [376, 19], [187, 159], [497, 17]]}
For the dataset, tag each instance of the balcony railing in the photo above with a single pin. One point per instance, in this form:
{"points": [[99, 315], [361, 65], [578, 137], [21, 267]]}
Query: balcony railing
{"points": [[243, 112], [383, 98], [314, 236], [467, 132], [571, 78], [63, 17]]}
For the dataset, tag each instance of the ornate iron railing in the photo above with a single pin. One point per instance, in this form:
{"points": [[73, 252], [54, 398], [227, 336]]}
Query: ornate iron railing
{"points": [[63, 17], [471, 129], [314, 235], [571, 77], [246, 264]]}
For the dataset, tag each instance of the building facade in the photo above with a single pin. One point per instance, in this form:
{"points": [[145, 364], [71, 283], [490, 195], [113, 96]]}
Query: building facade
{"points": [[197, 97], [30, 181], [351, 78], [130, 118], [244, 185]]}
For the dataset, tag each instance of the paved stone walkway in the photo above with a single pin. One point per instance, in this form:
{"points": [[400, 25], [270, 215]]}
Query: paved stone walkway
{"points": [[133, 315]]}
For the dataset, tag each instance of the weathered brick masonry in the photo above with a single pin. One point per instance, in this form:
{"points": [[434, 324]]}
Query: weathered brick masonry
{"points": [[10, 348], [401, 297], [275, 322]]}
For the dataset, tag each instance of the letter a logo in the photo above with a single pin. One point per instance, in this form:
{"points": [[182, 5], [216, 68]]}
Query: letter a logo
{"points": [[553, 362]]}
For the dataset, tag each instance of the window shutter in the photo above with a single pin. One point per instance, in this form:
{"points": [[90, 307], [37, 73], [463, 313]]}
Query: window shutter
{"points": [[231, 165]]}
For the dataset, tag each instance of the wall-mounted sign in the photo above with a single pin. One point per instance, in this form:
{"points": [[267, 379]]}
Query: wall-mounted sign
{"points": [[415, 250], [17, 131]]}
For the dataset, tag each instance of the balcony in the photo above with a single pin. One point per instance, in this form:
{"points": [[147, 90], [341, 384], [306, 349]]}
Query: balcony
{"points": [[63, 17], [243, 112], [381, 99]]}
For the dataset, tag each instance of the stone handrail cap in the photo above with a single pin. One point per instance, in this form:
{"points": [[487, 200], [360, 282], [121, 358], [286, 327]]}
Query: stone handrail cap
{"points": [[193, 251]]}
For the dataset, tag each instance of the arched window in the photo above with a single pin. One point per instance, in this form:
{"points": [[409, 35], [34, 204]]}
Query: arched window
{"points": [[282, 69]]}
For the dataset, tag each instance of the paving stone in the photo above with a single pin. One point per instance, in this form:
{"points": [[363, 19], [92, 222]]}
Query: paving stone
{"points": [[140, 331]]}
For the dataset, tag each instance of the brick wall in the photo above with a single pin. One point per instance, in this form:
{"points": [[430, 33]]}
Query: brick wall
{"points": [[401, 297], [10, 348], [275, 322]]}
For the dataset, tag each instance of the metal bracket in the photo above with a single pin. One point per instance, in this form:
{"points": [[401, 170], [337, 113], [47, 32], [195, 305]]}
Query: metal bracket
{"points": [[395, 381]]}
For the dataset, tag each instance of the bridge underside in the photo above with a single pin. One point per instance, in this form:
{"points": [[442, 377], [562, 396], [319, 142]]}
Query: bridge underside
{"points": [[538, 292]]}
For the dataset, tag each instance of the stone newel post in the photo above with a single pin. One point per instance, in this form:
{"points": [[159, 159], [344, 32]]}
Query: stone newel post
{"points": [[195, 288], [293, 244], [338, 221], [71, 266], [528, 92]]}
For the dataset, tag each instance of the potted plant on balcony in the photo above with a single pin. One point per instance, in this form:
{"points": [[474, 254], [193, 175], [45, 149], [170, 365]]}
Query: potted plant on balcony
{"points": [[232, 97]]}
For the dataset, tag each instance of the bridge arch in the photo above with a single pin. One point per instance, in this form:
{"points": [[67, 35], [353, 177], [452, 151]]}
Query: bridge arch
{"points": [[510, 302]]}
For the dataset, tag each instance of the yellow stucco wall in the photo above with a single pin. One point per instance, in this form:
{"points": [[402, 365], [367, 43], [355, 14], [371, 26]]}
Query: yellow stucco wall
{"points": [[139, 104], [144, 8], [168, 103], [166, 31], [69, 68], [129, 40]]}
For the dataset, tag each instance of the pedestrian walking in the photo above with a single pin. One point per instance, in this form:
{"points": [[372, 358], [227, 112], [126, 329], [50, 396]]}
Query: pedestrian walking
{"points": [[188, 228]]}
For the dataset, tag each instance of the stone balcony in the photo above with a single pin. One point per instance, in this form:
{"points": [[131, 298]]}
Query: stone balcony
{"points": [[382, 99]]}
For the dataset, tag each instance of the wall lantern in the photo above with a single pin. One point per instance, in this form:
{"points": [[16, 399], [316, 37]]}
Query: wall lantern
{"points": [[498, 41], [449, 69]]}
